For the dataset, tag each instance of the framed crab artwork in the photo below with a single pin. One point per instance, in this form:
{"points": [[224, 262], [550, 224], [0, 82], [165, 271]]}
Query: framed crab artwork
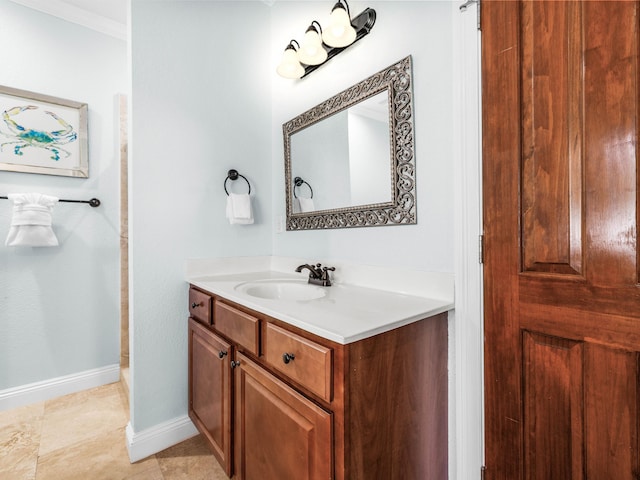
{"points": [[42, 134]]}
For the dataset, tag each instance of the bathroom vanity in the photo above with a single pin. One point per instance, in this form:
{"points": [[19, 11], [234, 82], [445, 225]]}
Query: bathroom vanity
{"points": [[290, 382]]}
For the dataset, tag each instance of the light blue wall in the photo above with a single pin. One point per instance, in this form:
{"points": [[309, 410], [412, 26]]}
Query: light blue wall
{"points": [[418, 28], [201, 105], [59, 307]]}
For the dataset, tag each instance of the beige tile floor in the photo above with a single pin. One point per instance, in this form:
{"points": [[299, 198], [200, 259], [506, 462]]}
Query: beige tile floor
{"points": [[81, 436]]}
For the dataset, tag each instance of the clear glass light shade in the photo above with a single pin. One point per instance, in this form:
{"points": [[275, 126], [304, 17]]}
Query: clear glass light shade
{"points": [[339, 33], [290, 65], [311, 51]]}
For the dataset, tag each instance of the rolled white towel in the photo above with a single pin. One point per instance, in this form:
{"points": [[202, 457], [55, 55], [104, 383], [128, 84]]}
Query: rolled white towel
{"points": [[239, 209], [31, 221]]}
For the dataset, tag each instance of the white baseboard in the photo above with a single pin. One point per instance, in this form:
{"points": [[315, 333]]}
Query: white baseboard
{"points": [[155, 439], [56, 387]]}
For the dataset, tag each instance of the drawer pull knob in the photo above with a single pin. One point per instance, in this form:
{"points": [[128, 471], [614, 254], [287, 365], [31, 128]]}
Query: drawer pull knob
{"points": [[287, 357], [194, 305], [222, 353], [235, 364]]}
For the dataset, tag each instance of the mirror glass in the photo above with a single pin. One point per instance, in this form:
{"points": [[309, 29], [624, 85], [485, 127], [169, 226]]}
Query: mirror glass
{"points": [[350, 160], [345, 157]]}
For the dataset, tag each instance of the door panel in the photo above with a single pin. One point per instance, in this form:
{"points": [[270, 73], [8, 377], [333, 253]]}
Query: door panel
{"points": [[562, 300], [611, 403], [553, 415], [611, 111], [552, 202]]}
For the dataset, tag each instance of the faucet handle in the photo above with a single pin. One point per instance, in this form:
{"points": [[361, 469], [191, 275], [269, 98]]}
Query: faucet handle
{"points": [[326, 280], [326, 270]]}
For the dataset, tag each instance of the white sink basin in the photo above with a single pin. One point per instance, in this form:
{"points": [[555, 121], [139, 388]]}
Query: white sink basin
{"points": [[275, 289]]}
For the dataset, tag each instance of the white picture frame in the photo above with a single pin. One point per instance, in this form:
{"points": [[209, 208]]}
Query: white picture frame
{"points": [[42, 134]]}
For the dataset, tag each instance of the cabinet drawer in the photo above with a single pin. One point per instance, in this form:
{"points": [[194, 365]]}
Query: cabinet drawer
{"points": [[240, 327], [302, 360], [200, 305]]}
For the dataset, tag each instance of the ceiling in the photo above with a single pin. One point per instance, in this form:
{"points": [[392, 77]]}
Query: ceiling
{"points": [[105, 16]]}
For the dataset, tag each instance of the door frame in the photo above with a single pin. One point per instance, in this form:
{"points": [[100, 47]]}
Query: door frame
{"points": [[466, 348]]}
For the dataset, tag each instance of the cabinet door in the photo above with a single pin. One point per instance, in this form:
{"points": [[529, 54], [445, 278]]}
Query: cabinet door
{"points": [[279, 433], [210, 390]]}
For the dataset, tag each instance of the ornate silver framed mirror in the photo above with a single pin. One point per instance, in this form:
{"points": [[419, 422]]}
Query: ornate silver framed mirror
{"points": [[349, 161]]}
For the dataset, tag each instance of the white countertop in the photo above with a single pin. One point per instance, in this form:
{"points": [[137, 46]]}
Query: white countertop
{"points": [[345, 314]]}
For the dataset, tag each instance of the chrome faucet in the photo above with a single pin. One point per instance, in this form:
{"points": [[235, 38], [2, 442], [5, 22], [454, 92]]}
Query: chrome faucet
{"points": [[318, 275]]}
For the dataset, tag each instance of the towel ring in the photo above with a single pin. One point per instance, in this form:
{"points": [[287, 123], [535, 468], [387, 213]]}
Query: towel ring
{"points": [[233, 175], [297, 182]]}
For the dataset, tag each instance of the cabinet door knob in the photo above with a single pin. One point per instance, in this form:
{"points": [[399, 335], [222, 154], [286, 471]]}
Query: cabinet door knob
{"points": [[235, 364], [287, 357], [222, 353], [194, 305]]}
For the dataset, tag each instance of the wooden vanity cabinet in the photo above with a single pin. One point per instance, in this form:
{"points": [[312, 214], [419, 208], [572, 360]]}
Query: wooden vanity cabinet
{"points": [[307, 408]]}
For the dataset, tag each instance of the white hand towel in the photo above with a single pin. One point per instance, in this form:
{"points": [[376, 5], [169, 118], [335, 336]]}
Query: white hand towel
{"points": [[239, 209], [306, 204], [31, 221]]}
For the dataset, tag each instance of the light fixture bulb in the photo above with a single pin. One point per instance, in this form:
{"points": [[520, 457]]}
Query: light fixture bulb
{"points": [[339, 33], [290, 65], [311, 51]]}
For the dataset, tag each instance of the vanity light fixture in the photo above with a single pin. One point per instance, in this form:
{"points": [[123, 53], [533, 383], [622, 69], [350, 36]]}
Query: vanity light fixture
{"points": [[340, 33], [311, 51], [320, 45], [290, 65]]}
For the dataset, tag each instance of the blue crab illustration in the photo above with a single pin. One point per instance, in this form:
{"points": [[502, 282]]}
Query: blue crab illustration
{"points": [[23, 137]]}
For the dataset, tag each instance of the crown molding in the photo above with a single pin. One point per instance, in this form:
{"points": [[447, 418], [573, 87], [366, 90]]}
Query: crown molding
{"points": [[77, 15]]}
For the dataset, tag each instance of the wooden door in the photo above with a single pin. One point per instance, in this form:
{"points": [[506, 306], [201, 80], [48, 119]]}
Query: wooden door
{"points": [[560, 178], [279, 433], [210, 390]]}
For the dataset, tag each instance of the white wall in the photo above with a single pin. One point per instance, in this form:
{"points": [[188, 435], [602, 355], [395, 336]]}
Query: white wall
{"points": [[59, 307], [200, 106], [423, 30]]}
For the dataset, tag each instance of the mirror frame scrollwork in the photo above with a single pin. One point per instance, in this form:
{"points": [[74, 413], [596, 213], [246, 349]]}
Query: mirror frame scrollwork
{"points": [[401, 210]]}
